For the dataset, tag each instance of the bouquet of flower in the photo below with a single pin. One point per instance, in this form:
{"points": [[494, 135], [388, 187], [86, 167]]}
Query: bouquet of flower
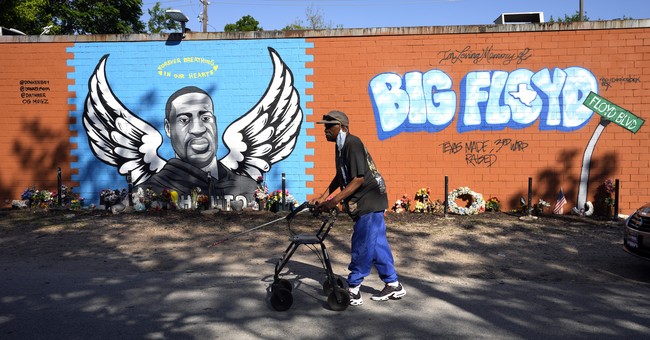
{"points": [[493, 204], [202, 201], [69, 199], [274, 200], [424, 204], [166, 195], [111, 197], [173, 194], [195, 196], [402, 205], [28, 195], [422, 195], [420, 207], [262, 190], [138, 200], [539, 207], [42, 199], [77, 202], [610, 188], [66, 196], [150, 196]]}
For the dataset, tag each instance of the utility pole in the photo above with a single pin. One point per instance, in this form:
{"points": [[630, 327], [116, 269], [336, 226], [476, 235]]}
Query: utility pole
{"points": [[582, 16], [204, 15]]}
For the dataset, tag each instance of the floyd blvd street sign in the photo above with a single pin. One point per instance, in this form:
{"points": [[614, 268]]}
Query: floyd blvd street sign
{"points": [[613, 112]]}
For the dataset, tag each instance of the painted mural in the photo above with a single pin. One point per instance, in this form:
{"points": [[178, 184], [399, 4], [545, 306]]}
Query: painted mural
{"points": [[487, 110], [263, 136], [211, 117], [490, 100], [491, 112]]}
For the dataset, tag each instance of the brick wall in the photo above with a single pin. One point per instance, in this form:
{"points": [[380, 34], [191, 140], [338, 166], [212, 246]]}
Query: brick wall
{"points": [[35, 138], [552, 157], [488, 107]]}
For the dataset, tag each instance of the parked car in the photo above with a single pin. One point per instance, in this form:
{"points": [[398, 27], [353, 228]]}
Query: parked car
{"points": [[636, 238]]}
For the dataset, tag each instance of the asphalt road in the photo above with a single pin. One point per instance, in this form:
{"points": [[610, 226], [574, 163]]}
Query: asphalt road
{"points": [[73, 300]]}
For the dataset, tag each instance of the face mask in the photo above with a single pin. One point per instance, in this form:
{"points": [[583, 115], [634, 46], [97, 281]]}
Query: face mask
{"points": [[340, 139]]}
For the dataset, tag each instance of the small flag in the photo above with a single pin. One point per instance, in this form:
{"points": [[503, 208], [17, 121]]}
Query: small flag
{"points": [[559, 205]]}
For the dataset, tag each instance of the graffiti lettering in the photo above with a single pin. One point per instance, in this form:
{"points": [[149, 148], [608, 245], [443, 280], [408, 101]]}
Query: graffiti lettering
{"points": [[476, 146], [486, 54], [486, 159], [607, 82], [449, 147], [190, 75], [489, 100], [483, 152], [36, 101], [32, 89], [519, 146], [34, 82]]}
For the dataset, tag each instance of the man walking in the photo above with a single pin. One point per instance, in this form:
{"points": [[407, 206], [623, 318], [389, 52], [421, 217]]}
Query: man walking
{"points": [[363, 195]]}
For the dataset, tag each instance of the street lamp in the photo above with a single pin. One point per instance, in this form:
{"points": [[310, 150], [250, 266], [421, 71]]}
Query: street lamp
{"points": [[177, 15]]}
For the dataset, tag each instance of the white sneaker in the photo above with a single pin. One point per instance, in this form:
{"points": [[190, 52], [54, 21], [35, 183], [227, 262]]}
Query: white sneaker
{"points": [[390, 292]]}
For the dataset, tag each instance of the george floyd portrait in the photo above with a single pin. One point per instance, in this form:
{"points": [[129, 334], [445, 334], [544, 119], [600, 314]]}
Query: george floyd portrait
{"points": [[263, 136], [191, 126]]}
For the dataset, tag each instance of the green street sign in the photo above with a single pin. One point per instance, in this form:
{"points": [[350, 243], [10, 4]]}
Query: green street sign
{"points": [[613, 112]]}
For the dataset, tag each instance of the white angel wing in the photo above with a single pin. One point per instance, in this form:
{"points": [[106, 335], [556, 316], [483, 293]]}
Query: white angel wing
{"points": [[117, 136], [268, 133]]}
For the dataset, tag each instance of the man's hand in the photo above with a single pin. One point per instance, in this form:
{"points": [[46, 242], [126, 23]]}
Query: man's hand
{"points": [[327, 205], [317, 201]]}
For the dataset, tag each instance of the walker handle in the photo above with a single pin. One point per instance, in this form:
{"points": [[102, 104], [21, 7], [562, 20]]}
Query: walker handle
{"points": [[300, 208]]}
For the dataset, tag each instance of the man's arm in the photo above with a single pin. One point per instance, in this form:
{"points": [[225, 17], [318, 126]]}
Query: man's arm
{"points": [[330, 189], [355, 184]]}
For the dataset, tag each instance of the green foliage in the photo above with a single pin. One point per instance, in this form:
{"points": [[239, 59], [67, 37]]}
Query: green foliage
{"points": [[246, 24], [314, 21], [73, 17], [159, 22], [27, 16], [295, 26], [574, 18]]}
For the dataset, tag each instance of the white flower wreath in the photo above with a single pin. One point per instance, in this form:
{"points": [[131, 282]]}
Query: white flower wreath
{"points": [[477, 206]]}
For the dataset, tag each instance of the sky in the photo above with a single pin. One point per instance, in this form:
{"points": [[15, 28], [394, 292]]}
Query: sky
{"points": [[277, 14]]}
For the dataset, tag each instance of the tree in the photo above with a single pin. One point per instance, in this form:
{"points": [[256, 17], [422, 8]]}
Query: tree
{"points": [[245, 24], [27, 16], [159, 22], [574, 18], [73, 16], [314, 21]]}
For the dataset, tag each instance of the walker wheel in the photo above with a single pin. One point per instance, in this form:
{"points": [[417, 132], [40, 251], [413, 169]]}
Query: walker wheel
{"points": [[342, 303], [281, 299], [283, 283], [327, 287]]}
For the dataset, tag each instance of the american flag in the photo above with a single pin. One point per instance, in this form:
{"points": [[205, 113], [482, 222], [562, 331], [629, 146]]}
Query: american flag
{"points": [[559, 205]]}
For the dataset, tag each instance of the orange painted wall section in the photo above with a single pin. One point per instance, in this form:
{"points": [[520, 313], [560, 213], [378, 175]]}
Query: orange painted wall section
{"points": [[36, 135], [343, 68]]}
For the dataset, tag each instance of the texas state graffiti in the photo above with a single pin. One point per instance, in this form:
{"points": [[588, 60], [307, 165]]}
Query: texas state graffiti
{"points": [[489, 100]]}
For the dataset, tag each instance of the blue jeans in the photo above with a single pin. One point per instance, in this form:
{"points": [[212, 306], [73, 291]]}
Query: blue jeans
{"points": [[370, 247]]}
